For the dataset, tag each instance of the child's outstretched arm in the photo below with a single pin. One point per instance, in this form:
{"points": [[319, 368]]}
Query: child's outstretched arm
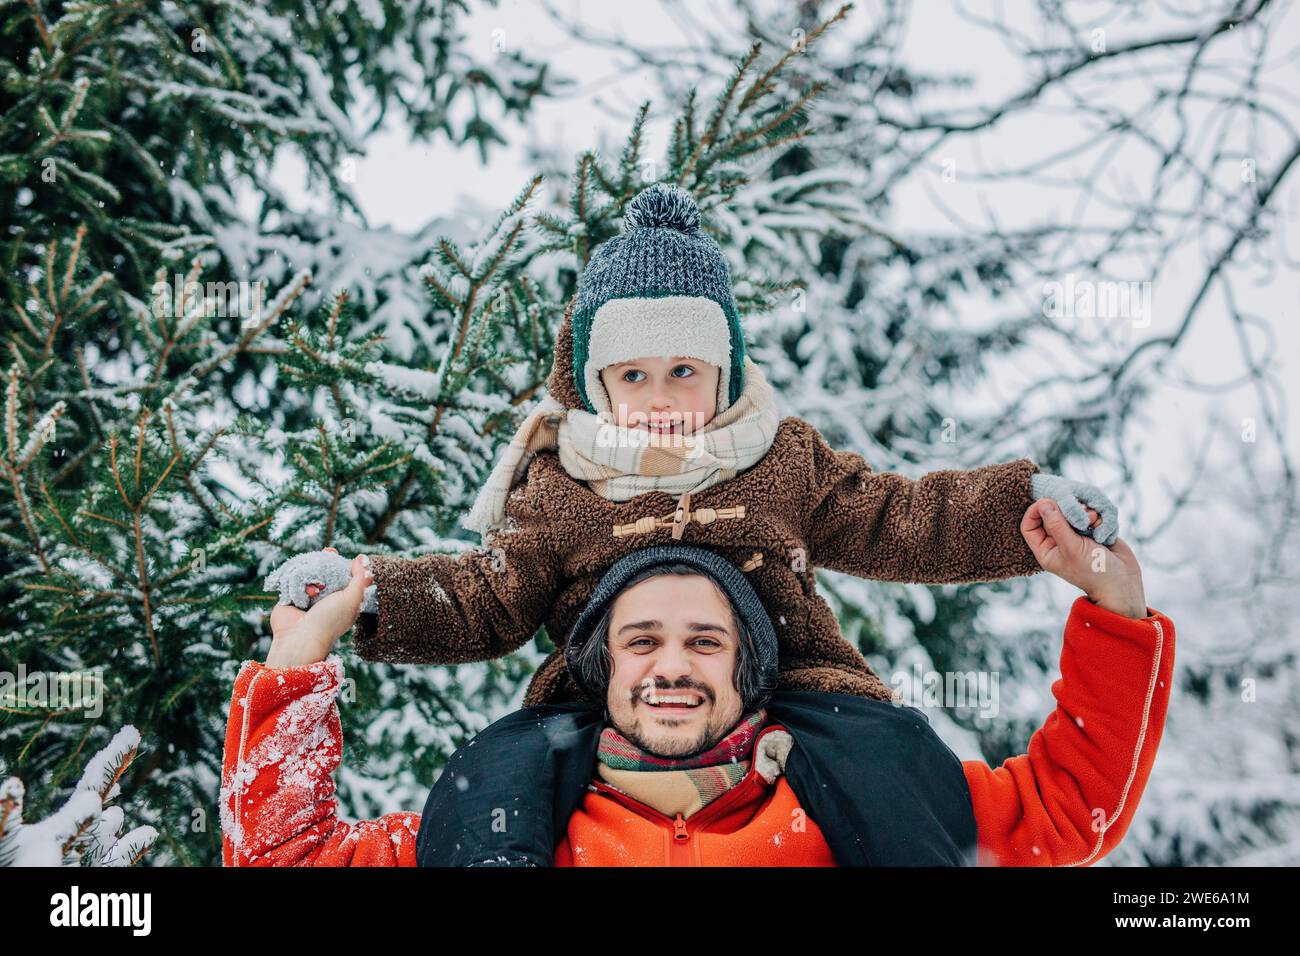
{"points": [[948, 527], [445, 609], [476, 606]]}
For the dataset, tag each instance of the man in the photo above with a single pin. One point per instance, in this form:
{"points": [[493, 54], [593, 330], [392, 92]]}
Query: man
{"points": [[693, 759], [717, 769]]}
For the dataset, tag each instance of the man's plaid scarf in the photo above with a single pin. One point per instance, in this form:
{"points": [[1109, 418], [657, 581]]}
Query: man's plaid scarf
{"points": [[683, 785]]}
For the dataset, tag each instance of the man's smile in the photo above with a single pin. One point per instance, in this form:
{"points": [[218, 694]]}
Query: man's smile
{"points": [[674, 703], [681, 701]]}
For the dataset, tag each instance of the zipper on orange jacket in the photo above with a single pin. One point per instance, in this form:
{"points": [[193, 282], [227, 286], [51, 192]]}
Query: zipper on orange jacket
{"points": [[681, 854], [679, 828], [683, 828], [680, 851]]}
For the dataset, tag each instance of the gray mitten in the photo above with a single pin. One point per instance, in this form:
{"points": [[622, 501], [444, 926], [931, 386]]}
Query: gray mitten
{"points": [[1070, 497], [327, 568]]}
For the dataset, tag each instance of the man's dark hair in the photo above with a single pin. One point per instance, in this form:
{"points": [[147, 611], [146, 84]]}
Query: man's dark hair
{"points": [[595, 663]]}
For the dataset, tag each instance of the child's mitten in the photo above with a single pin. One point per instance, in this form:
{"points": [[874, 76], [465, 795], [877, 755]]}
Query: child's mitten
{"points": [[329, 569], [1071, 496]]}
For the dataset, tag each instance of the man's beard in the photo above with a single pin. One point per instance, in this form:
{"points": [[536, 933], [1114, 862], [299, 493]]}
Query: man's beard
{"points": [[707, 737], [703, 742]]}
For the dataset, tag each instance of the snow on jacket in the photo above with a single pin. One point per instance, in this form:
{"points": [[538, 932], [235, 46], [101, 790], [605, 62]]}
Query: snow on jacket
{"points": [[1066, 801], [803, 506]]}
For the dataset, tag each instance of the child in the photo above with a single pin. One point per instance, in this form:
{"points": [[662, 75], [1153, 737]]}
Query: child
{"points": [[625, 452]]}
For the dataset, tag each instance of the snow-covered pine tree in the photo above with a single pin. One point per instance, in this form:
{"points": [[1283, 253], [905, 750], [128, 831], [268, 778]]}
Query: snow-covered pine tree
{"points": [[130, 556], [132, 136], [150, 121], [84, 830]]}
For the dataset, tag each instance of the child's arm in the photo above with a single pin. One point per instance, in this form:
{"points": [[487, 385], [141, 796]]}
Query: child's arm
{"points": [[284, 742], [947, 527], [476, 606], [1069, 799]]}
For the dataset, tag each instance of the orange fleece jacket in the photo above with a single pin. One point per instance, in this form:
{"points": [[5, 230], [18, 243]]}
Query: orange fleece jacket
{"points": [[1067, 801]]}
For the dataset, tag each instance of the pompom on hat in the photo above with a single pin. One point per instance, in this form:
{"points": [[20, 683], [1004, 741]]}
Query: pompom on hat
{"points": [[659, 288]]}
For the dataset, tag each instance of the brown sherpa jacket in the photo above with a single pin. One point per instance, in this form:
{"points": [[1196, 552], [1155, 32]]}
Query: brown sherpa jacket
{"points": [[803, 506]]}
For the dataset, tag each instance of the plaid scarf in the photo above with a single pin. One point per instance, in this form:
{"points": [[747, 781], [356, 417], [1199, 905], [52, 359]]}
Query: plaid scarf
{"points": [[683, 785], [620, 463]]}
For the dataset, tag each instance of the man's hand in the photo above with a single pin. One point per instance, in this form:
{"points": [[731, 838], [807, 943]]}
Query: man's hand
{"points": [[1110, 577], [305, 637]]}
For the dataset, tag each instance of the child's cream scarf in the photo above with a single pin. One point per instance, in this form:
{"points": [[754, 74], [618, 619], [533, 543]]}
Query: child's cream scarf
{"points": [[620, 463]]}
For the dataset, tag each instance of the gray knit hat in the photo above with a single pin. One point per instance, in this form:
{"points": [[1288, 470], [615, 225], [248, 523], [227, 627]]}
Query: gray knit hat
{"points": [[662, 288], [725, 574]]}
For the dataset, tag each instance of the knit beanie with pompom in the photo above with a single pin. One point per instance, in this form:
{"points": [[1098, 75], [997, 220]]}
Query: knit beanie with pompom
{"points": [[660, 288]]}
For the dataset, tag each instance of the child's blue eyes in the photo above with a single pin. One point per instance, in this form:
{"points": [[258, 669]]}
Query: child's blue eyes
{"points": [[633, 371]]}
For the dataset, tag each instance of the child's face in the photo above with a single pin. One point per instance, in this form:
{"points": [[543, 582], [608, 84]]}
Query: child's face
{"points": [[663, 395]]}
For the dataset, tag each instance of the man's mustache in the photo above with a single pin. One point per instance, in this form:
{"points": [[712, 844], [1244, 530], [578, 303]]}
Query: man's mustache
{"points": [[642, 689]]}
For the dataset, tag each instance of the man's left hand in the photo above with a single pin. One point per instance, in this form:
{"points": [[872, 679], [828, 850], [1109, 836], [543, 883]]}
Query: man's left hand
{"points": [[1110, 577]]}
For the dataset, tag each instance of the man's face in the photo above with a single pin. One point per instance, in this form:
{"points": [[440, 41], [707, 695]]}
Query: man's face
{"points": [[674, 647], [663, 395]]}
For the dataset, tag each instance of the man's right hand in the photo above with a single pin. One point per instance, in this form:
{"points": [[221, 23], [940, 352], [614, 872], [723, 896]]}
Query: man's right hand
{"points": [[305, 637]]}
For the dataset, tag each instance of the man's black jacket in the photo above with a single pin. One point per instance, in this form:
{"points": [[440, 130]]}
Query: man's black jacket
{"points": [[876, 779]]}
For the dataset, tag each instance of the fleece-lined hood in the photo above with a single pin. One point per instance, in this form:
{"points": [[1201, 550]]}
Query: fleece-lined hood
{"points": [[561, 382]]}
